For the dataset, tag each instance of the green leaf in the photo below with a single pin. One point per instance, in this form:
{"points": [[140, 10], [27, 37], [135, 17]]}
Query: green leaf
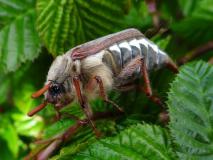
{"points": [[22, 98], [27, 126], [18, 37], [64, 24], [139, 16], [188, 6], [58, 128], [162, 43], [191, 111], [5, 153], [5, 86], [204, 10], [9, 134], [197, 28], [137, 142]]}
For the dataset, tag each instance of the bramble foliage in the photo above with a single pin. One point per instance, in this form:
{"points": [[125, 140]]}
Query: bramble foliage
{"points": [[190, 108], [63, 24], [34, 32], [136, 142], [19, 40]]}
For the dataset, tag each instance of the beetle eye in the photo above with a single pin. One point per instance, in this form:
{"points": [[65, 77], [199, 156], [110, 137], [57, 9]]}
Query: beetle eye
{"points": [[55, 90]]}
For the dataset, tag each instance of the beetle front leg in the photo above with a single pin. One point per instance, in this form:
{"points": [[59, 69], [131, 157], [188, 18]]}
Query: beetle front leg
{"points": [[84, 104], [97, 80]]}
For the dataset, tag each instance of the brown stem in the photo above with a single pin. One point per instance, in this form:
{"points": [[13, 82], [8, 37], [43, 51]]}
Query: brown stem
{"points": [[1, 110], [152, 7], [48, 151], [211, 60], [55, 142], [196, 52]]}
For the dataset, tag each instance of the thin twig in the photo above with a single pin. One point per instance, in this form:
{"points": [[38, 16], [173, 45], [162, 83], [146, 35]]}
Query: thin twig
{"points": [[196, 52], [211, 60], [152, 7], [54, 143]]}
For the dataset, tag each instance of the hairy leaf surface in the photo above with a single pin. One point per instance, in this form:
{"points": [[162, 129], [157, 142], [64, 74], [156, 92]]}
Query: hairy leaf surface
{"points": [[191, 111], [64, 24], [136, 143]]}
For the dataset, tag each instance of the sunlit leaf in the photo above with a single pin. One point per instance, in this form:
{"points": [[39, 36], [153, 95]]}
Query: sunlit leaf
{"points": [[18, 38], [22, 98], [188, 6], [9, 134], [64, 24], [27, 126]]}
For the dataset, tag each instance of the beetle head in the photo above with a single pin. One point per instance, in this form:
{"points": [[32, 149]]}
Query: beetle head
{"points": [[58, 89]]}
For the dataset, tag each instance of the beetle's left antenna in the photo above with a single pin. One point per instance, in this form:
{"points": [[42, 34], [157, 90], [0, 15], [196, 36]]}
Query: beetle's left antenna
{"points": [[36, 95], [41, 91], [37, 109]]}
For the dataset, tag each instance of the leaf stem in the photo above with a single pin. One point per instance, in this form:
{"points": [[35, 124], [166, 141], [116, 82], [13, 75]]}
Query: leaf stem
{"points": [[196, 52]]}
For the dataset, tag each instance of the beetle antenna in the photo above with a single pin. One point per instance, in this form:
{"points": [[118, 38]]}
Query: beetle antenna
{"points": [[41, 91], [37, 109]]}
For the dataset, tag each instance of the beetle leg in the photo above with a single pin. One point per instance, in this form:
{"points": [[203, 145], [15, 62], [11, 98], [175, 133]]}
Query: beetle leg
{"points": [[84, 104], [148, 90], [97, 80], [57, 114], [130, 69], [144, 72], [153, 98], [103, 93]]}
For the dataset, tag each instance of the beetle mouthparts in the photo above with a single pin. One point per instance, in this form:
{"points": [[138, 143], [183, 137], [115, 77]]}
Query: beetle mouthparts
{"points": [[41, 91], [37, 109]]}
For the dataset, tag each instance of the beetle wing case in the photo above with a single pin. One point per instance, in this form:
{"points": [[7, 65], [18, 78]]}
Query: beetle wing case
{"points": [[99, 44]]}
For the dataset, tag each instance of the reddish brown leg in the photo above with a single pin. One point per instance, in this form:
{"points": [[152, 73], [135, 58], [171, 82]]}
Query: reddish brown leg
{"points": [[58, 114], [103, 93], [84, 104], [148, 89], [153, 98], [98, 80], [145, 75]]}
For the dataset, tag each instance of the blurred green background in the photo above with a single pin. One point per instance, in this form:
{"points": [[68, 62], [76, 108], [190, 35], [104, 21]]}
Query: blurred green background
{"points": [[34, 32]]}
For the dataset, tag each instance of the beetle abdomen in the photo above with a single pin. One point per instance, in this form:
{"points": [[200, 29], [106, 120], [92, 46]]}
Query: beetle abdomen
{"points": [[120, 54]]}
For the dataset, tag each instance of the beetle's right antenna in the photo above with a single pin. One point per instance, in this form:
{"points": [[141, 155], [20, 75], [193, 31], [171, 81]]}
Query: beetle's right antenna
{"points": [[41, 91]]}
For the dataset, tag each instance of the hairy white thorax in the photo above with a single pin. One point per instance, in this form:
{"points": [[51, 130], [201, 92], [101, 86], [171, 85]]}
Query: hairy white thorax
{"points": [[93, 66]]}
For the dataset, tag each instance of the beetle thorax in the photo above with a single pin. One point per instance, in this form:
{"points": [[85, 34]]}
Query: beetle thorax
{"points": [[63, 67]]}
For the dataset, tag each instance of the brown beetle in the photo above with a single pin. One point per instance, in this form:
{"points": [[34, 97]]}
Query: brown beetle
{"points": [[94, 68]]}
